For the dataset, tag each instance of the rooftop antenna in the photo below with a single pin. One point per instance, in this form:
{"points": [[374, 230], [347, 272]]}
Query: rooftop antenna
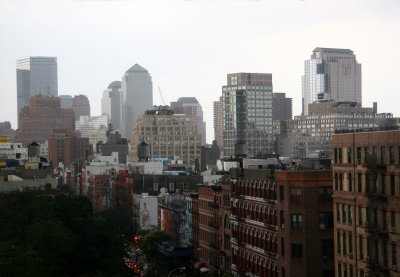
{"points": [[162, 98]]}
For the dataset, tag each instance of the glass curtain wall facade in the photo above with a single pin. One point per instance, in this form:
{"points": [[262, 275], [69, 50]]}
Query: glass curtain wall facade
{"points": [[36, 75], [331, 74], [314, 84], [247, 113]]}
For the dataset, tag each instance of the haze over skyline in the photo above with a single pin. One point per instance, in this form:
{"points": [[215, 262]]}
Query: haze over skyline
{"points": [[189, 47]]}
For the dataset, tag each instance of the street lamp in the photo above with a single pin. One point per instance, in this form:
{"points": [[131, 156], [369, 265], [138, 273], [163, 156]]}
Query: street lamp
{"points": [[178, 268]]}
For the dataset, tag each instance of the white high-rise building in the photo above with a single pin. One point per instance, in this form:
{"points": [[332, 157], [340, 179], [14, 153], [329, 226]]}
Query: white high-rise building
{"points": [[331, 74], [36, 75], [137, 97], [111, 104]]}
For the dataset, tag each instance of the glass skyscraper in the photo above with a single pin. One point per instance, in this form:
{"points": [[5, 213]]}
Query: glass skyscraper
{"points": [[36, 75], [247, 114], [137, 97], [331, 74]]}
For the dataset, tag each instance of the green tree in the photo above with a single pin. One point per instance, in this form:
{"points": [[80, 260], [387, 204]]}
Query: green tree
{"points": [[150, 241], [59, 236]]}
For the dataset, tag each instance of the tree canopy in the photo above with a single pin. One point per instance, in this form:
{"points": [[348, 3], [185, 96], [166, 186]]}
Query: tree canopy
{"points": [[59, 236]]}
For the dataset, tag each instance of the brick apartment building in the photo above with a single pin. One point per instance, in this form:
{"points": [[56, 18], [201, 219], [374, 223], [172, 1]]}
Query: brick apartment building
{"points": [[305, 223], [210, 225], [366, 203], [254, 223], [281, 221]]}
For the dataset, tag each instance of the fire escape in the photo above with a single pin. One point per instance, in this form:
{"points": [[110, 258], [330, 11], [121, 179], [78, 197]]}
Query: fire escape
{"points": [[377, 200]]}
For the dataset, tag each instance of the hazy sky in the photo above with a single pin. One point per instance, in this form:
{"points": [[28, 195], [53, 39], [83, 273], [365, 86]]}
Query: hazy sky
{"points": [[189, 46]]}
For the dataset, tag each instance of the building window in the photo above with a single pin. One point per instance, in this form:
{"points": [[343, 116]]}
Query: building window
{"points": [[350, 243], [359, 182], [392, 187], [338, 242], [282, 219], [338, 212], [360, 248], [391, 155], [297, 221], [155, 186], [350, 215], [383, 160], [171, 186], [281, 193], [283, 247], [394, 255], [383, 176], [349, 155], [327, 249], [358, 158], [350, 179], [297, 250], [295, 195], [325, 220]]}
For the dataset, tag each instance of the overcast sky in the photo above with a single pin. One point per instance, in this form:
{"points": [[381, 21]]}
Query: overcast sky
{"points": [[189, 46]]}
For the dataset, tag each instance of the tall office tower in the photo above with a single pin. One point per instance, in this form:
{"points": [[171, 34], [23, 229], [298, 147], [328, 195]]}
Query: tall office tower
{"points": [[281, 106], [331, 74], [247, 114], [366, 190], [218, 123], [81, 106], [191, 107], [137, 97], [66, 101], [35, 75], [43, 114], [111, 104]]}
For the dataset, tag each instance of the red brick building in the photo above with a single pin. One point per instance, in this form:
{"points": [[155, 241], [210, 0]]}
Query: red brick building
{"points": [[66, 145], [254, 223], [210, 228], [305, 223], [366, 203], [43, 114], [99, 191]]}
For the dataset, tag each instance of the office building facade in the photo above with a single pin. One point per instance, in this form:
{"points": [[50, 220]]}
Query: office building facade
{"points": [[331, 74], [218, 123], [247, 114], [191, 107], [137, 97], [111, 104], [43, 114], [168, 135], [36, 75], [81, 106], [311, 134], [281, 106]]}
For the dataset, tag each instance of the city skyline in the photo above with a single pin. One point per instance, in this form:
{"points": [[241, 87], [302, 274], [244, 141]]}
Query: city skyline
{"points": [[188, 46]]}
